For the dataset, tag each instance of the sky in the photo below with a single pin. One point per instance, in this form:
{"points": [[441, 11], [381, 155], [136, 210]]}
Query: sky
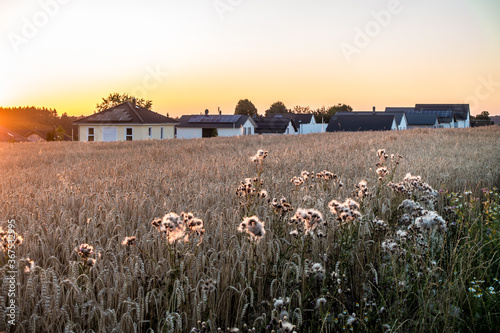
{"points": [[191, 55]]}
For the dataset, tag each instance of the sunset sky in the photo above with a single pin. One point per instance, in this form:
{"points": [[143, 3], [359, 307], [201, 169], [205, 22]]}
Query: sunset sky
{"points": [[188, 56]]}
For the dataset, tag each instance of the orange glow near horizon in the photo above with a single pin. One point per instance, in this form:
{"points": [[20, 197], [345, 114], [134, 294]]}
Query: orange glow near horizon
{"points": [[188, 59]]}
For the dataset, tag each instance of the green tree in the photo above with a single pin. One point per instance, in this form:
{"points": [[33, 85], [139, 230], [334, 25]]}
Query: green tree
{"points": [[302, 109], [277, 107], [245, 107], [115, 99], [324, 114], [484, 115]]}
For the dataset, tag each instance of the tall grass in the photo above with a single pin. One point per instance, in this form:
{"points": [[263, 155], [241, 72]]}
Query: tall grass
{"points": [[62, 195]]}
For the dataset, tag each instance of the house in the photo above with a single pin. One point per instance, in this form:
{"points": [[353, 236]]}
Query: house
{"points": [[206, 126], [125, 122], [305, 122], [275, 125], [422, 120], [7, 135], [44, 135], [457, 115], [37, 135], [448, 115], [401, 120], [364, 122]]}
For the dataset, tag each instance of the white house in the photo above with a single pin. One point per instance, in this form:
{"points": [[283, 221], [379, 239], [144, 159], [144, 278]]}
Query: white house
{"points": [[305, 122], [206, 126], [448, 115], [356, 122], [400, 117], [125, 122]]}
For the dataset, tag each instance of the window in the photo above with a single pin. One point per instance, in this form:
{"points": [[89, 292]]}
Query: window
{"points": [[150, 132], [90, 134], [128, 134], [244, 131], [249, 130], [161, 132]]}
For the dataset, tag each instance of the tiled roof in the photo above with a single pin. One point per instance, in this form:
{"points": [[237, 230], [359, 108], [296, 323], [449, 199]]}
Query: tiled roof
{"points": [[128, 114]]}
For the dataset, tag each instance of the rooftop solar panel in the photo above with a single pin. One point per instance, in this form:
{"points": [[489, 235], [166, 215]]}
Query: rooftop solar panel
{"points": [[440, 113], [215, 119], [116, 115]]}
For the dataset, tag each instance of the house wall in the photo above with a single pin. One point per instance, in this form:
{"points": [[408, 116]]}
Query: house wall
{"points": [[436, 125], [193, 133], [250, 126], [189, 133], [312, 128], [139, 132], [394, 126], [230, 131], [290, 129]]}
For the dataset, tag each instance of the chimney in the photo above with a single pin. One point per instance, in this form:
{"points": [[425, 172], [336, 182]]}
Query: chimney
{"points": [[206, 112], [373, 109], [134, 102], [220, 112]]}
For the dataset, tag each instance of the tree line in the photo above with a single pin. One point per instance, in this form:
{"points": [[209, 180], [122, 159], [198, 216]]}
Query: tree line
{"points": [[26, 118], [323, 114]]}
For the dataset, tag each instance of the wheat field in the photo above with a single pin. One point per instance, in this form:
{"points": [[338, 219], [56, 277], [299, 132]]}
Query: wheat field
{"points": [[359, 274]]}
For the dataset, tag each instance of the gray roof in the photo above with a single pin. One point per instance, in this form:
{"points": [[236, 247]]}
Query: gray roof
{"points": [[213, 121], [398, 115], [421, 118], [359, 123], [274, 125], [127, 114], [399, 109], [298, 118]]}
